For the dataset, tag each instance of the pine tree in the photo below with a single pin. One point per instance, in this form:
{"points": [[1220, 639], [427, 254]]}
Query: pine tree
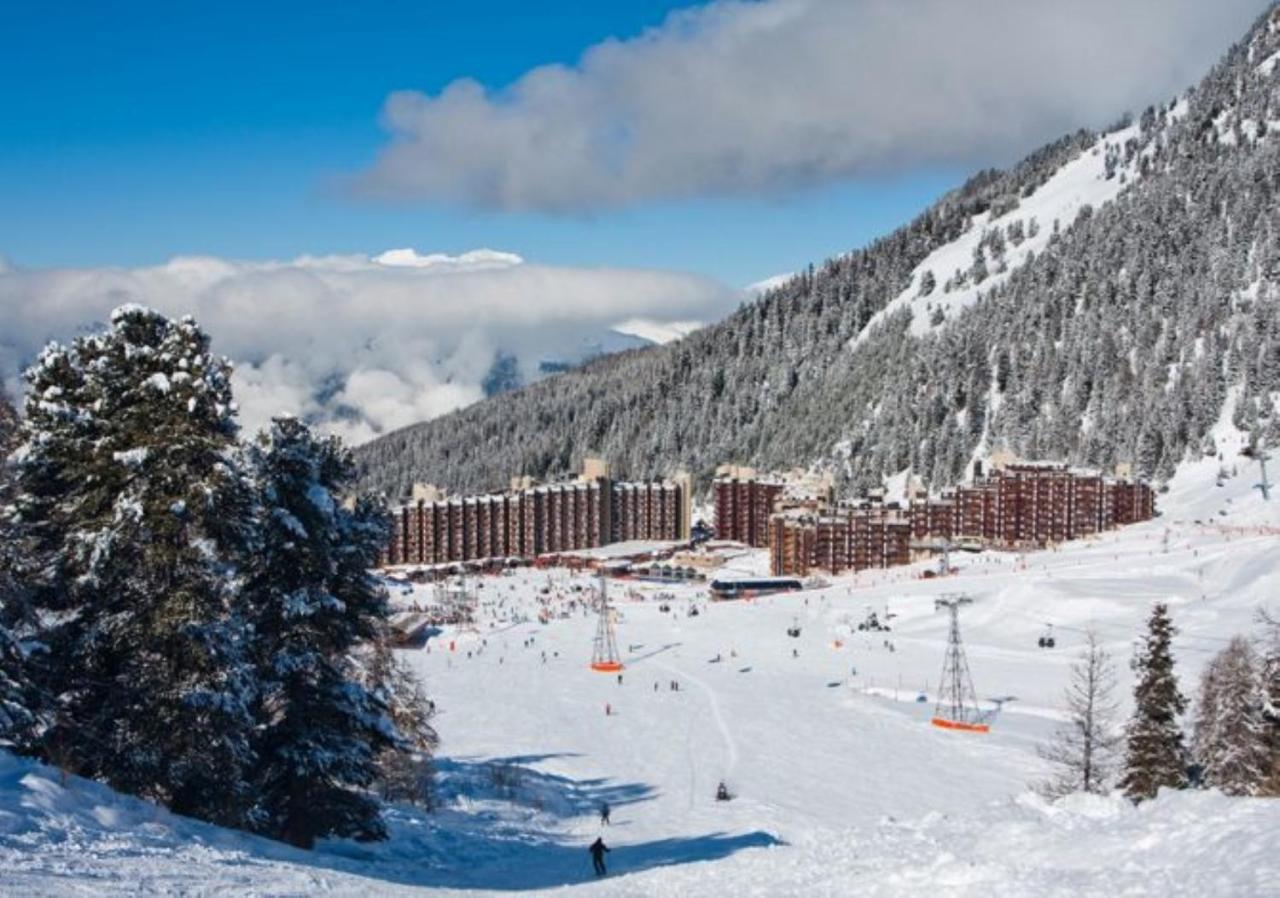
{"points": [[8, 427], [1269, 686], [18, 706], [405, 770], [1206, 711], [1154, 753], [129, 504], [1084, 749], [312, 601], [1230, 738]]}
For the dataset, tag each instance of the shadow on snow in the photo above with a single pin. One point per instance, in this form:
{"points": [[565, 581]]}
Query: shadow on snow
{"points": [[499, 829]]}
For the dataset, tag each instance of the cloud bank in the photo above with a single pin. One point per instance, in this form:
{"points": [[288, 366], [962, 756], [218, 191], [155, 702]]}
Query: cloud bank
{"points": [[359, 345], [743, 97]]}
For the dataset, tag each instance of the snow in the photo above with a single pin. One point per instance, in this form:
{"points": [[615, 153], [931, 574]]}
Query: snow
{"points": [[1268, 65], [132, 458], [657, 332], [841, 785], [1080, 182], [759, 288]]}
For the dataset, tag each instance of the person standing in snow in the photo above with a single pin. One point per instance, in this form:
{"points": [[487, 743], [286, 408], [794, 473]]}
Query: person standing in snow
{"points": [[604, 813], [597, 849]]}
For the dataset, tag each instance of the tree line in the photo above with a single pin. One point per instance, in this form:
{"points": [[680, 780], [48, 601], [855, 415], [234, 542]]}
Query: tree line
{"points": [[1234, 741], [189, 617]]}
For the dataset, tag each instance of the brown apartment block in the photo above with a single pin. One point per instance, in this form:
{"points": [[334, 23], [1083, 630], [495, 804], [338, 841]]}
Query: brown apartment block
{"points": [[849, 538], [744, 507], [537, 520], [1022, 505]]}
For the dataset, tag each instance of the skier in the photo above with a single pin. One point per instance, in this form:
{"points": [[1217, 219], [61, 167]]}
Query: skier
{"points": [[619, 679], [604, 813], [597, 849], [608, 709], [722, 792]]}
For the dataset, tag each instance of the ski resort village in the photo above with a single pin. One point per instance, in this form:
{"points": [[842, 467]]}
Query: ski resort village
{"points": [[547, 558]]}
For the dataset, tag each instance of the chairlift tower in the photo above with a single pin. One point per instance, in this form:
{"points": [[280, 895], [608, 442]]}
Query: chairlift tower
{"points": [[957, 707], [604, 648]]}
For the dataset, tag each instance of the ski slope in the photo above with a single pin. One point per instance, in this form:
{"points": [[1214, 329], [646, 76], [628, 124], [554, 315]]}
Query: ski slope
{"points": [[1053, 205], [841, 785]]}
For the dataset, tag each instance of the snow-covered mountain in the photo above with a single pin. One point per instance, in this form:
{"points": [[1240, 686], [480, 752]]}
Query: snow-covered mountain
{"points": [[1108, 299]]}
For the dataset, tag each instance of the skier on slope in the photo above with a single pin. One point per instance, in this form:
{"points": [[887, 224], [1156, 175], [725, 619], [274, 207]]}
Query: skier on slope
{"points": [[604, 812], [597, 849]]}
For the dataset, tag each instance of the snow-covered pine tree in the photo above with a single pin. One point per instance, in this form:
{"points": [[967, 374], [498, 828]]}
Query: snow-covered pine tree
{"points": [[1230, 736], [1154, 753], [20, 710], [405, 771], [1206, 710], [1083, 750], [1269, 677], [129, 504], [17, 696], [8, 426], [312, 600]]}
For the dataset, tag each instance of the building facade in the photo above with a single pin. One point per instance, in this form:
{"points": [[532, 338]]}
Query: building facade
{"points": [[1019, 506], [744, 505], [538, 520]]}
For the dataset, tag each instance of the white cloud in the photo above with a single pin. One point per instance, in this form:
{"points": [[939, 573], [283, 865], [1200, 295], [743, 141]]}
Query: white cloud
{"points": [[737, 97], [361, 345], [475, 260]]}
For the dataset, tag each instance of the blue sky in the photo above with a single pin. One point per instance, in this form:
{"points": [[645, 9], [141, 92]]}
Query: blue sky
{"points": [[644, 160], [135, 132]]}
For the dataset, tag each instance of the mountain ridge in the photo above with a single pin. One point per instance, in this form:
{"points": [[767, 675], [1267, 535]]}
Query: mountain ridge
{"points": [[1116, 341]]}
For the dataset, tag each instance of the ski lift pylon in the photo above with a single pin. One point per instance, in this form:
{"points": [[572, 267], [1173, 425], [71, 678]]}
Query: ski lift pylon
{"points": [[957, 704], [604, 648]]}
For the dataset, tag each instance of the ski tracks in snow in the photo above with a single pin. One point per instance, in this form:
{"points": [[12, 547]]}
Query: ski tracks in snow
{"points": [[731, 746]]}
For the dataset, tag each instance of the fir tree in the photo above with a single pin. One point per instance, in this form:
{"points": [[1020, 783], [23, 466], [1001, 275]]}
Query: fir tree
{"points": [[1154, 753], [18, 711], [1230, 738], [17, 719], [128, 505], [8, 427], [20, 706], [1269, 686], [312, 601], [405, 770], [1084, 749]]}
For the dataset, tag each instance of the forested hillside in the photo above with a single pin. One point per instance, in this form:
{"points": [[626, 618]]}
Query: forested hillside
{"points": [[1117, 333]]}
